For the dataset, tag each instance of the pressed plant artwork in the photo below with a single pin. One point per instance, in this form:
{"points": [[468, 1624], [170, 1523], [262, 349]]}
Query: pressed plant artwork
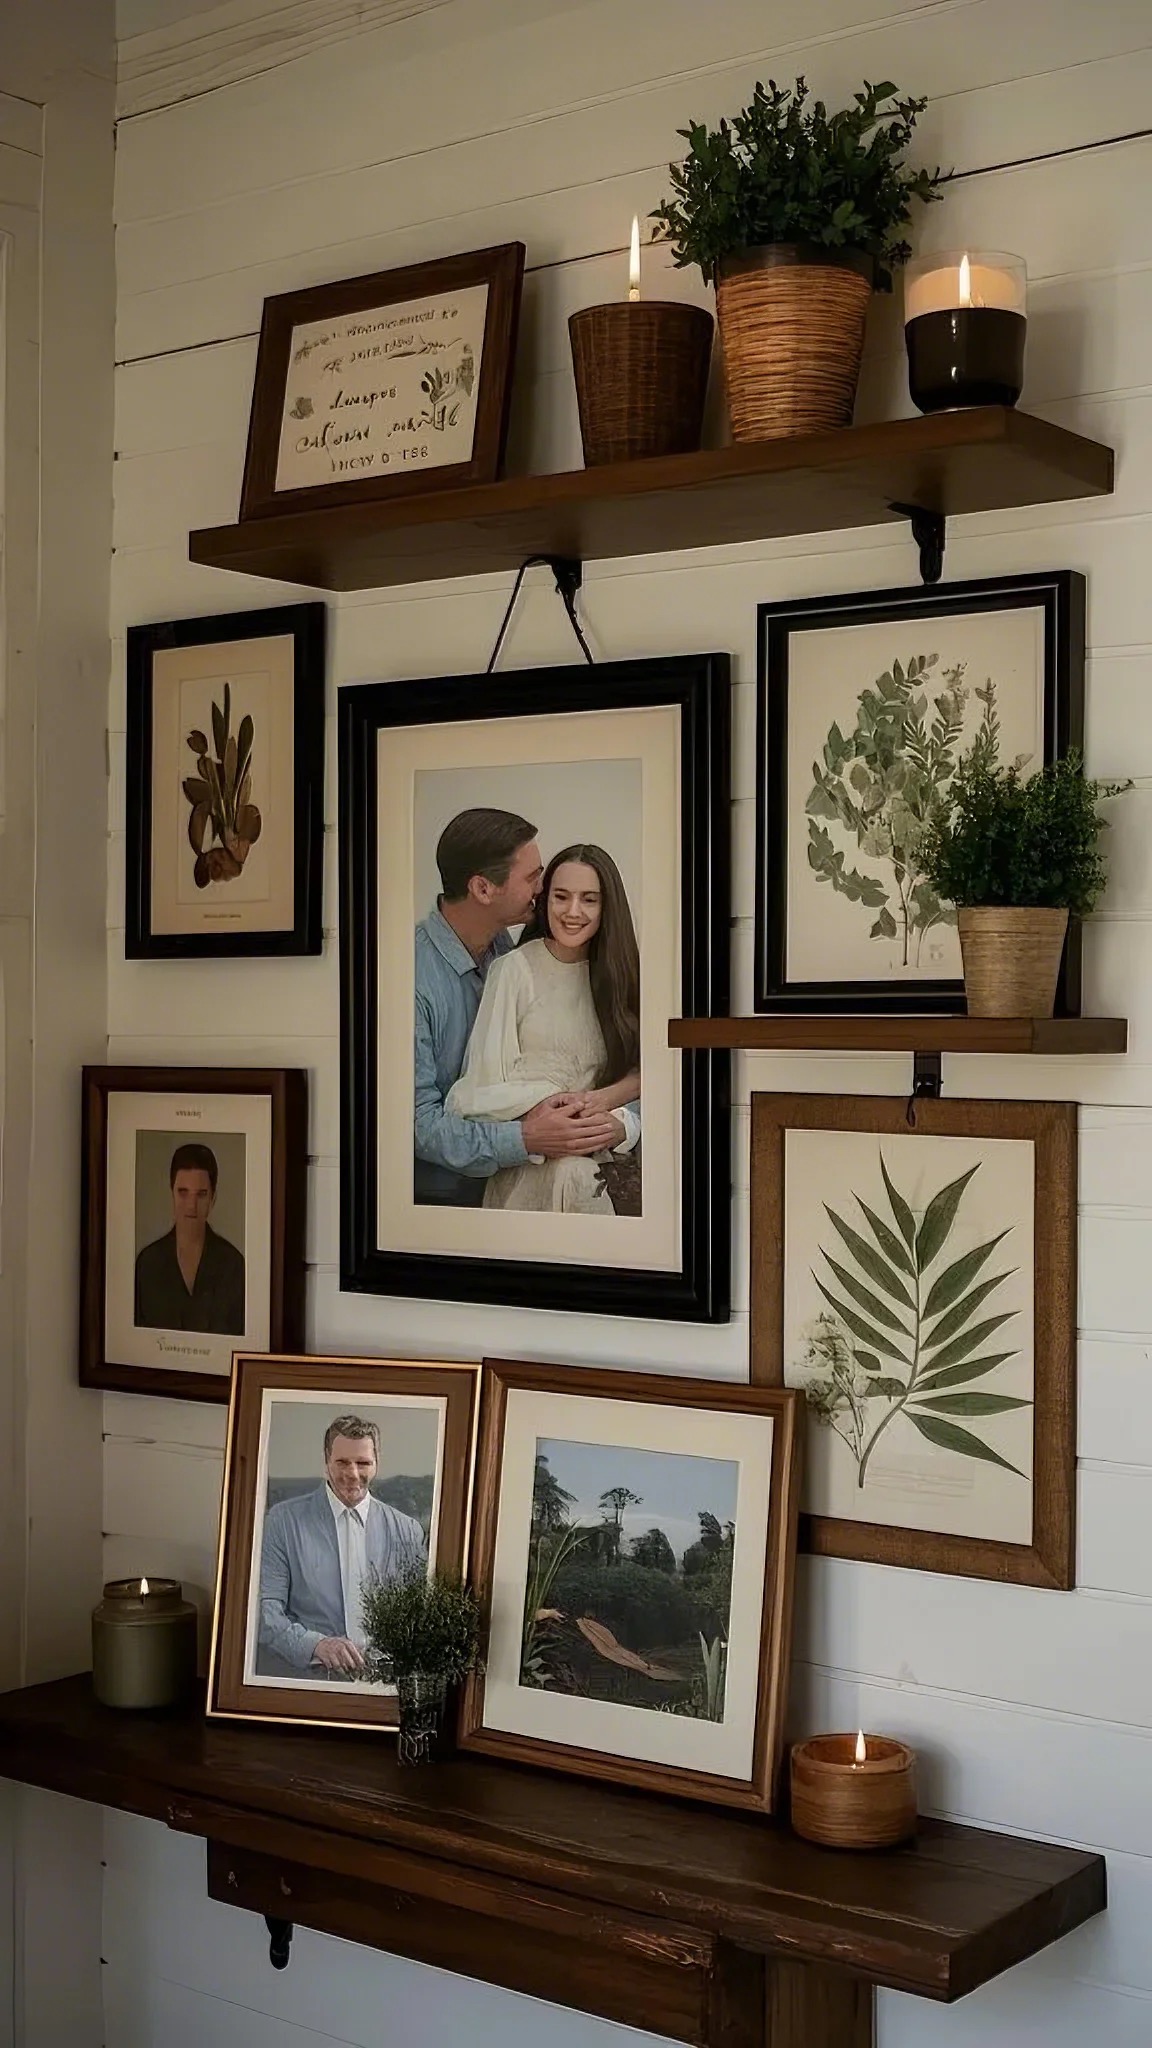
{"points": [[223, 822], [628, 1592]]}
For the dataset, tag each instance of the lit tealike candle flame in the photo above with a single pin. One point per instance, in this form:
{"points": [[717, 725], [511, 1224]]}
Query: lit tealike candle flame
{"points": [[144, 1588], [634, 261], [861, 1748], [965, 280]]}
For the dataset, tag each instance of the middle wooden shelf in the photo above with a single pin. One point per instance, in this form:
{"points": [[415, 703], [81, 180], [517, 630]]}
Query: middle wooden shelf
{"points": [[1067, 1036]]}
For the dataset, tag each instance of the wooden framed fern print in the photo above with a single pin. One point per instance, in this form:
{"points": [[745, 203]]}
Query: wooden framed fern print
{"points": [[866, 703], [224, 836], [914, 1276]]}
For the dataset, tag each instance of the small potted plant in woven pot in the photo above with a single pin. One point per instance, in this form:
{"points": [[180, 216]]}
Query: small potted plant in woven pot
{"points": [[1017, 854], [423, 1636], [796, 215]]}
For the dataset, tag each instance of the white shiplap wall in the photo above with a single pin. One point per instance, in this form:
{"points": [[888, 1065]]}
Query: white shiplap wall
{"points": [[482, 120]]}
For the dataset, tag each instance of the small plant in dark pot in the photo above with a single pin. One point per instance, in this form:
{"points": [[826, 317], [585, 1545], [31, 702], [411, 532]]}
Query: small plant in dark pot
{"points": [[1017, 854], [422, 1635], [796, 215]]}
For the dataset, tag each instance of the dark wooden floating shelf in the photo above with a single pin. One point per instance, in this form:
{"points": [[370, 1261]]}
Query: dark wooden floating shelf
{"points": [[990, 459], [715, 1929], [1053, 1035]]}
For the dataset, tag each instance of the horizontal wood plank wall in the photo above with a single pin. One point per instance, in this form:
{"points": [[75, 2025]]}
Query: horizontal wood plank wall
{"points": [[471, 122]]}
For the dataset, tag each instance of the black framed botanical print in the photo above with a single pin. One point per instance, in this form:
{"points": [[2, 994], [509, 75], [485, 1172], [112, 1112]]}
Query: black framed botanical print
{"points": [[866, 704], [225, 785], [535, 877]]}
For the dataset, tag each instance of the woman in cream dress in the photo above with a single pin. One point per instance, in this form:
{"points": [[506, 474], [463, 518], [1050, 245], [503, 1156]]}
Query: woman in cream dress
{"points": [[560, 1016]]}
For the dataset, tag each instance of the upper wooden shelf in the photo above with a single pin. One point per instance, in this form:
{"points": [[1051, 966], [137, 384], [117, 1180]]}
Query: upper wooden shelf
{"points": [[1053, 1035], [986, 460]]}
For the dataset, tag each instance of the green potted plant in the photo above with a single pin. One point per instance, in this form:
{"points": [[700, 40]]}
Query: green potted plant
{"points": [[796, 215], [1017, 854], [422, 1634]]}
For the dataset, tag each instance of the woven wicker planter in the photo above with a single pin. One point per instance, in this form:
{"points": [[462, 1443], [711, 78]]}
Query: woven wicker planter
{"points": [[1011, 960], [641, 370], [792, 330]]}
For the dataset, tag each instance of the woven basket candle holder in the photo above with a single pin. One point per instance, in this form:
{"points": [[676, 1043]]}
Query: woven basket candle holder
{"points": [[845, 1804], [641, 370]]}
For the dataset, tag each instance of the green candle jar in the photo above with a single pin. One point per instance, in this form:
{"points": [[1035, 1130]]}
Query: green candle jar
{"points": [[143, 1644]]}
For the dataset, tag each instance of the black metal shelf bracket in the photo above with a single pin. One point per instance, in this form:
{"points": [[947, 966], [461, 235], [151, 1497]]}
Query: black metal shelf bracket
{"points": [[927, 1083], [279, 1941], [568, 576], [928, 532]]}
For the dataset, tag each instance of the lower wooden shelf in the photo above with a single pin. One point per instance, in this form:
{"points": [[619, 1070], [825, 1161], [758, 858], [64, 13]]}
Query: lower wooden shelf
{"points": [[711, 1928], [1055, 1036]]}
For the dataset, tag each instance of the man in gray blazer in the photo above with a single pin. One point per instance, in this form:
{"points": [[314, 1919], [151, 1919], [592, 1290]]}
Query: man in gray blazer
{"points": [[318, 1549]]}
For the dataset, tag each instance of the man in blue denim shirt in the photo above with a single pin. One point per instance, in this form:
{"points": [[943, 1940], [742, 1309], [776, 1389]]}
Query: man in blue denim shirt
{"points": [[490, 871]]}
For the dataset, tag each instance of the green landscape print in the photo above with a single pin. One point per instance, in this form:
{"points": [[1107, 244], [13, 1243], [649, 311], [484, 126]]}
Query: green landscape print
{"points": [[630, 1577]]}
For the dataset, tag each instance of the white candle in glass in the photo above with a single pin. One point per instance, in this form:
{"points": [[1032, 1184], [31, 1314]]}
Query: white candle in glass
{"points": [[958, 280]]}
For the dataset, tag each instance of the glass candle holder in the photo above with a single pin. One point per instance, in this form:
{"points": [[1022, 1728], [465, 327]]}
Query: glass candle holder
{"points": [[965, 320], [143, 1644]]}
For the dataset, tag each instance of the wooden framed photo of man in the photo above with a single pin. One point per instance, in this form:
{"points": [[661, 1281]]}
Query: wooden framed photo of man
{"points": [[535, 878], [634, 1550], [192, 1231], [341, 1474], [867, 704], [914, 1277], [384, 386], [225, 786]]}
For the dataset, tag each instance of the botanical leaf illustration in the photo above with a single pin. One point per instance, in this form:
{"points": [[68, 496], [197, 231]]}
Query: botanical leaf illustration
{"points": [[220, 795], [884, 784], [902, 1301]]}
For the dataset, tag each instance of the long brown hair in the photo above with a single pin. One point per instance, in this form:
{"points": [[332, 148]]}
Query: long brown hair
{"points": [[613, 959]]}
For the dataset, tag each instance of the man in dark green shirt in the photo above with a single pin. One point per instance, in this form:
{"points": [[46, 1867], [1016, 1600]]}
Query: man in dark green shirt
{"points": [[192, 1279]]}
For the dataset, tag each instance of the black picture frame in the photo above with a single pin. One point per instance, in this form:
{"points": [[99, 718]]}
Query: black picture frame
{"points": [[1060, 596], [306, 623], [699, 687]]}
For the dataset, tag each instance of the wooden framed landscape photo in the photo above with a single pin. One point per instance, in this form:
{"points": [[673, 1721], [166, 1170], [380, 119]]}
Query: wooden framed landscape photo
{"points": [[866, 704], [634, 1549], [535, 878], [192, 1225], [340, 1473], [914, 1275], [225, 786], [384, 386]]}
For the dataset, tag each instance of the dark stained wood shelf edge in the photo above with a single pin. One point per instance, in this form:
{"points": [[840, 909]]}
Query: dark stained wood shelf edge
{"points": [[1054, 1036], [508, 1855], [988, 459]]}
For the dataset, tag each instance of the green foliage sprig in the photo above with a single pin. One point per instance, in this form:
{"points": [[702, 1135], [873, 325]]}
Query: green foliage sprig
{"points": [[1007, 837], [416, 1623], [785, 170]]}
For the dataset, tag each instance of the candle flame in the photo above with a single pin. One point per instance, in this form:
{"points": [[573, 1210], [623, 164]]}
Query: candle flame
{"points": [[634, 261], [143, 1587], [965, 280], [861, 1748]]}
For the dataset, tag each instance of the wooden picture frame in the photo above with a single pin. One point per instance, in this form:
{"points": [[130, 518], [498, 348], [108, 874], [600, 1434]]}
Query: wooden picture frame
{"points": [[872, 1257], [831, 672], [347, 436], [281, 1411], [135, 1120], [633, 754], [741, 1437], [219, 680]]}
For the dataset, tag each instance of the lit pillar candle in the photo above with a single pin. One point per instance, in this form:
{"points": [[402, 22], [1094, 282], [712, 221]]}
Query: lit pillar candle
{"points": [[854, 1791], [634, 261], [143, 1644], [964, 327]]}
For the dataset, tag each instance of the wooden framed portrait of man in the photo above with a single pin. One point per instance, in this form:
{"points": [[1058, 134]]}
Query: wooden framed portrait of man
{"points": [[342, 1474], [535, 878], [192, 1240]]}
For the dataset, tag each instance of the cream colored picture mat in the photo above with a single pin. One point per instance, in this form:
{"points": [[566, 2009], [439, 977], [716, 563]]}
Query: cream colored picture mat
{"points": [[652, 1240], [185, 682], [364, 1405], [185, 1350], [355, 405], [910, 1483], [827, 935], [724, 1747]]}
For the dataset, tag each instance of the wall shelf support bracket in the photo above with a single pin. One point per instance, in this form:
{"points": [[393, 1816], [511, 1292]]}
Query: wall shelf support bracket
{"points": [[280, 1934], [928, 534], [927, 1080]]}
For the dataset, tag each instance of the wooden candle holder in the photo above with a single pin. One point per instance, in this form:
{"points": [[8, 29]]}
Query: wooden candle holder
{"points": [[641, 369], [843, 1804]]}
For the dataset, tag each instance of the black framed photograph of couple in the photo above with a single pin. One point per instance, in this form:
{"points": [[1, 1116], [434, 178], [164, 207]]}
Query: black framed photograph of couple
{"points": [[192, 1240], [535, 879], [342, 1474]]}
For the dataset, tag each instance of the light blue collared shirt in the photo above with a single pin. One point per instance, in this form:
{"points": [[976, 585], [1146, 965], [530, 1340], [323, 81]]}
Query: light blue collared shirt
{"points": [[454, 1154]]}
